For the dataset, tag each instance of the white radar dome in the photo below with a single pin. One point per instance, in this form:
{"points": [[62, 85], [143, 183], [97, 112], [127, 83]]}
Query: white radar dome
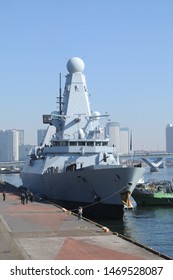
{"points": [[96, 115], [75, 64]]}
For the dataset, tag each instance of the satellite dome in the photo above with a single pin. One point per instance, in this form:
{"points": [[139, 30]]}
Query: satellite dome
{"points": [[96, 115], [75, 64]]}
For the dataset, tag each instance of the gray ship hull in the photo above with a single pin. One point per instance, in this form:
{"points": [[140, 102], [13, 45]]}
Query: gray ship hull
{"points": [[98, 190]]}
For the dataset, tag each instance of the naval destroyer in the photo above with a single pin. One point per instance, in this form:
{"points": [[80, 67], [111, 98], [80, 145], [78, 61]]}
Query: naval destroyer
{"points": [[75, 166]]}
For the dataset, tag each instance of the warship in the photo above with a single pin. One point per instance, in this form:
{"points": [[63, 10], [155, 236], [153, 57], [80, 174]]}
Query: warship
{"points": [[75, 165]]}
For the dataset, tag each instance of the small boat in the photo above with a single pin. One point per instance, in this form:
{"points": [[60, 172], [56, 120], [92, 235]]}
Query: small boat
{"points": [[9, 170], [154, 193]]}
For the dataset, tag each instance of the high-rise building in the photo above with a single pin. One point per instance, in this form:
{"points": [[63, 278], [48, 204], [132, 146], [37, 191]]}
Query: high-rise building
{"points": [[113, 131], [169, 138], [40, 136], [24, 151], [10, 140], [124, 140], [118, 137]]}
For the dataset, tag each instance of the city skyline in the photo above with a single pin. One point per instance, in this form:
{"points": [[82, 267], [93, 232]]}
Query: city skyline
{"points": [[13, 148], [127, 50], [120, 137], [34, 140]]}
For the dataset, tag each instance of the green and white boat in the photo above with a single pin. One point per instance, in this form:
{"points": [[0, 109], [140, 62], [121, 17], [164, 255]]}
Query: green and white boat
{"points": [[154, 192]]}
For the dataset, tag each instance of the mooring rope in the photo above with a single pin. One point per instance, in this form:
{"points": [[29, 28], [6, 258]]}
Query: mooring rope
{"points": [[97, 202]]}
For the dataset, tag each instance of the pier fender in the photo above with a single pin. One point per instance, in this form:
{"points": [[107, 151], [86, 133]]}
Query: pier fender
{"points": [[105, 229], [64, 210]]}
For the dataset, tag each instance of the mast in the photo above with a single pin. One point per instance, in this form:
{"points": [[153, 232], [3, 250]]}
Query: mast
{"points": [[131, 142], [60, 103], [131, 147], [59, 98]]}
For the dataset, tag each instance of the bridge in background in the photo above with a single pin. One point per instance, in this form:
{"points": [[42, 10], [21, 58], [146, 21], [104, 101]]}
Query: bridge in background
{"points": [[154, 160], [12, 164]]}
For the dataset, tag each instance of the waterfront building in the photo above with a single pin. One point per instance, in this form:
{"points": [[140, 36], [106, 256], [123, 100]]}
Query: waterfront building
{"points": [[113, 132], [124, 140], [169, 138], [10, 140], [24, 151], [118, 137]]}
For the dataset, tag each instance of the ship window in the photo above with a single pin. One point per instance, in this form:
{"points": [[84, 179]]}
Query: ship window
{"points": [[64, 143], [105, 143], [81, 143], [73, 143], [90, 144], [98, 143]]}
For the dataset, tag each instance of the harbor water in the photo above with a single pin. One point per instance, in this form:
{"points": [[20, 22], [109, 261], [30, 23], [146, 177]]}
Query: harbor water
{"points": [[151, 226]]}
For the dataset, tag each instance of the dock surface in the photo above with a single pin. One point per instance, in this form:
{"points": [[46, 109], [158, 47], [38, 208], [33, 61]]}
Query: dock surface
{"points": [[40, 230]]}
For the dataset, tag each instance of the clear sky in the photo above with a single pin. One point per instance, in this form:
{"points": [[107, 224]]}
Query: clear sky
{"points": [[127, 47]]}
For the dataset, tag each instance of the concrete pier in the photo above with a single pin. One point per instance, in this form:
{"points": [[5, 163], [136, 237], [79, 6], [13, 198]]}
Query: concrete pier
{"points": [[40, 230]]}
